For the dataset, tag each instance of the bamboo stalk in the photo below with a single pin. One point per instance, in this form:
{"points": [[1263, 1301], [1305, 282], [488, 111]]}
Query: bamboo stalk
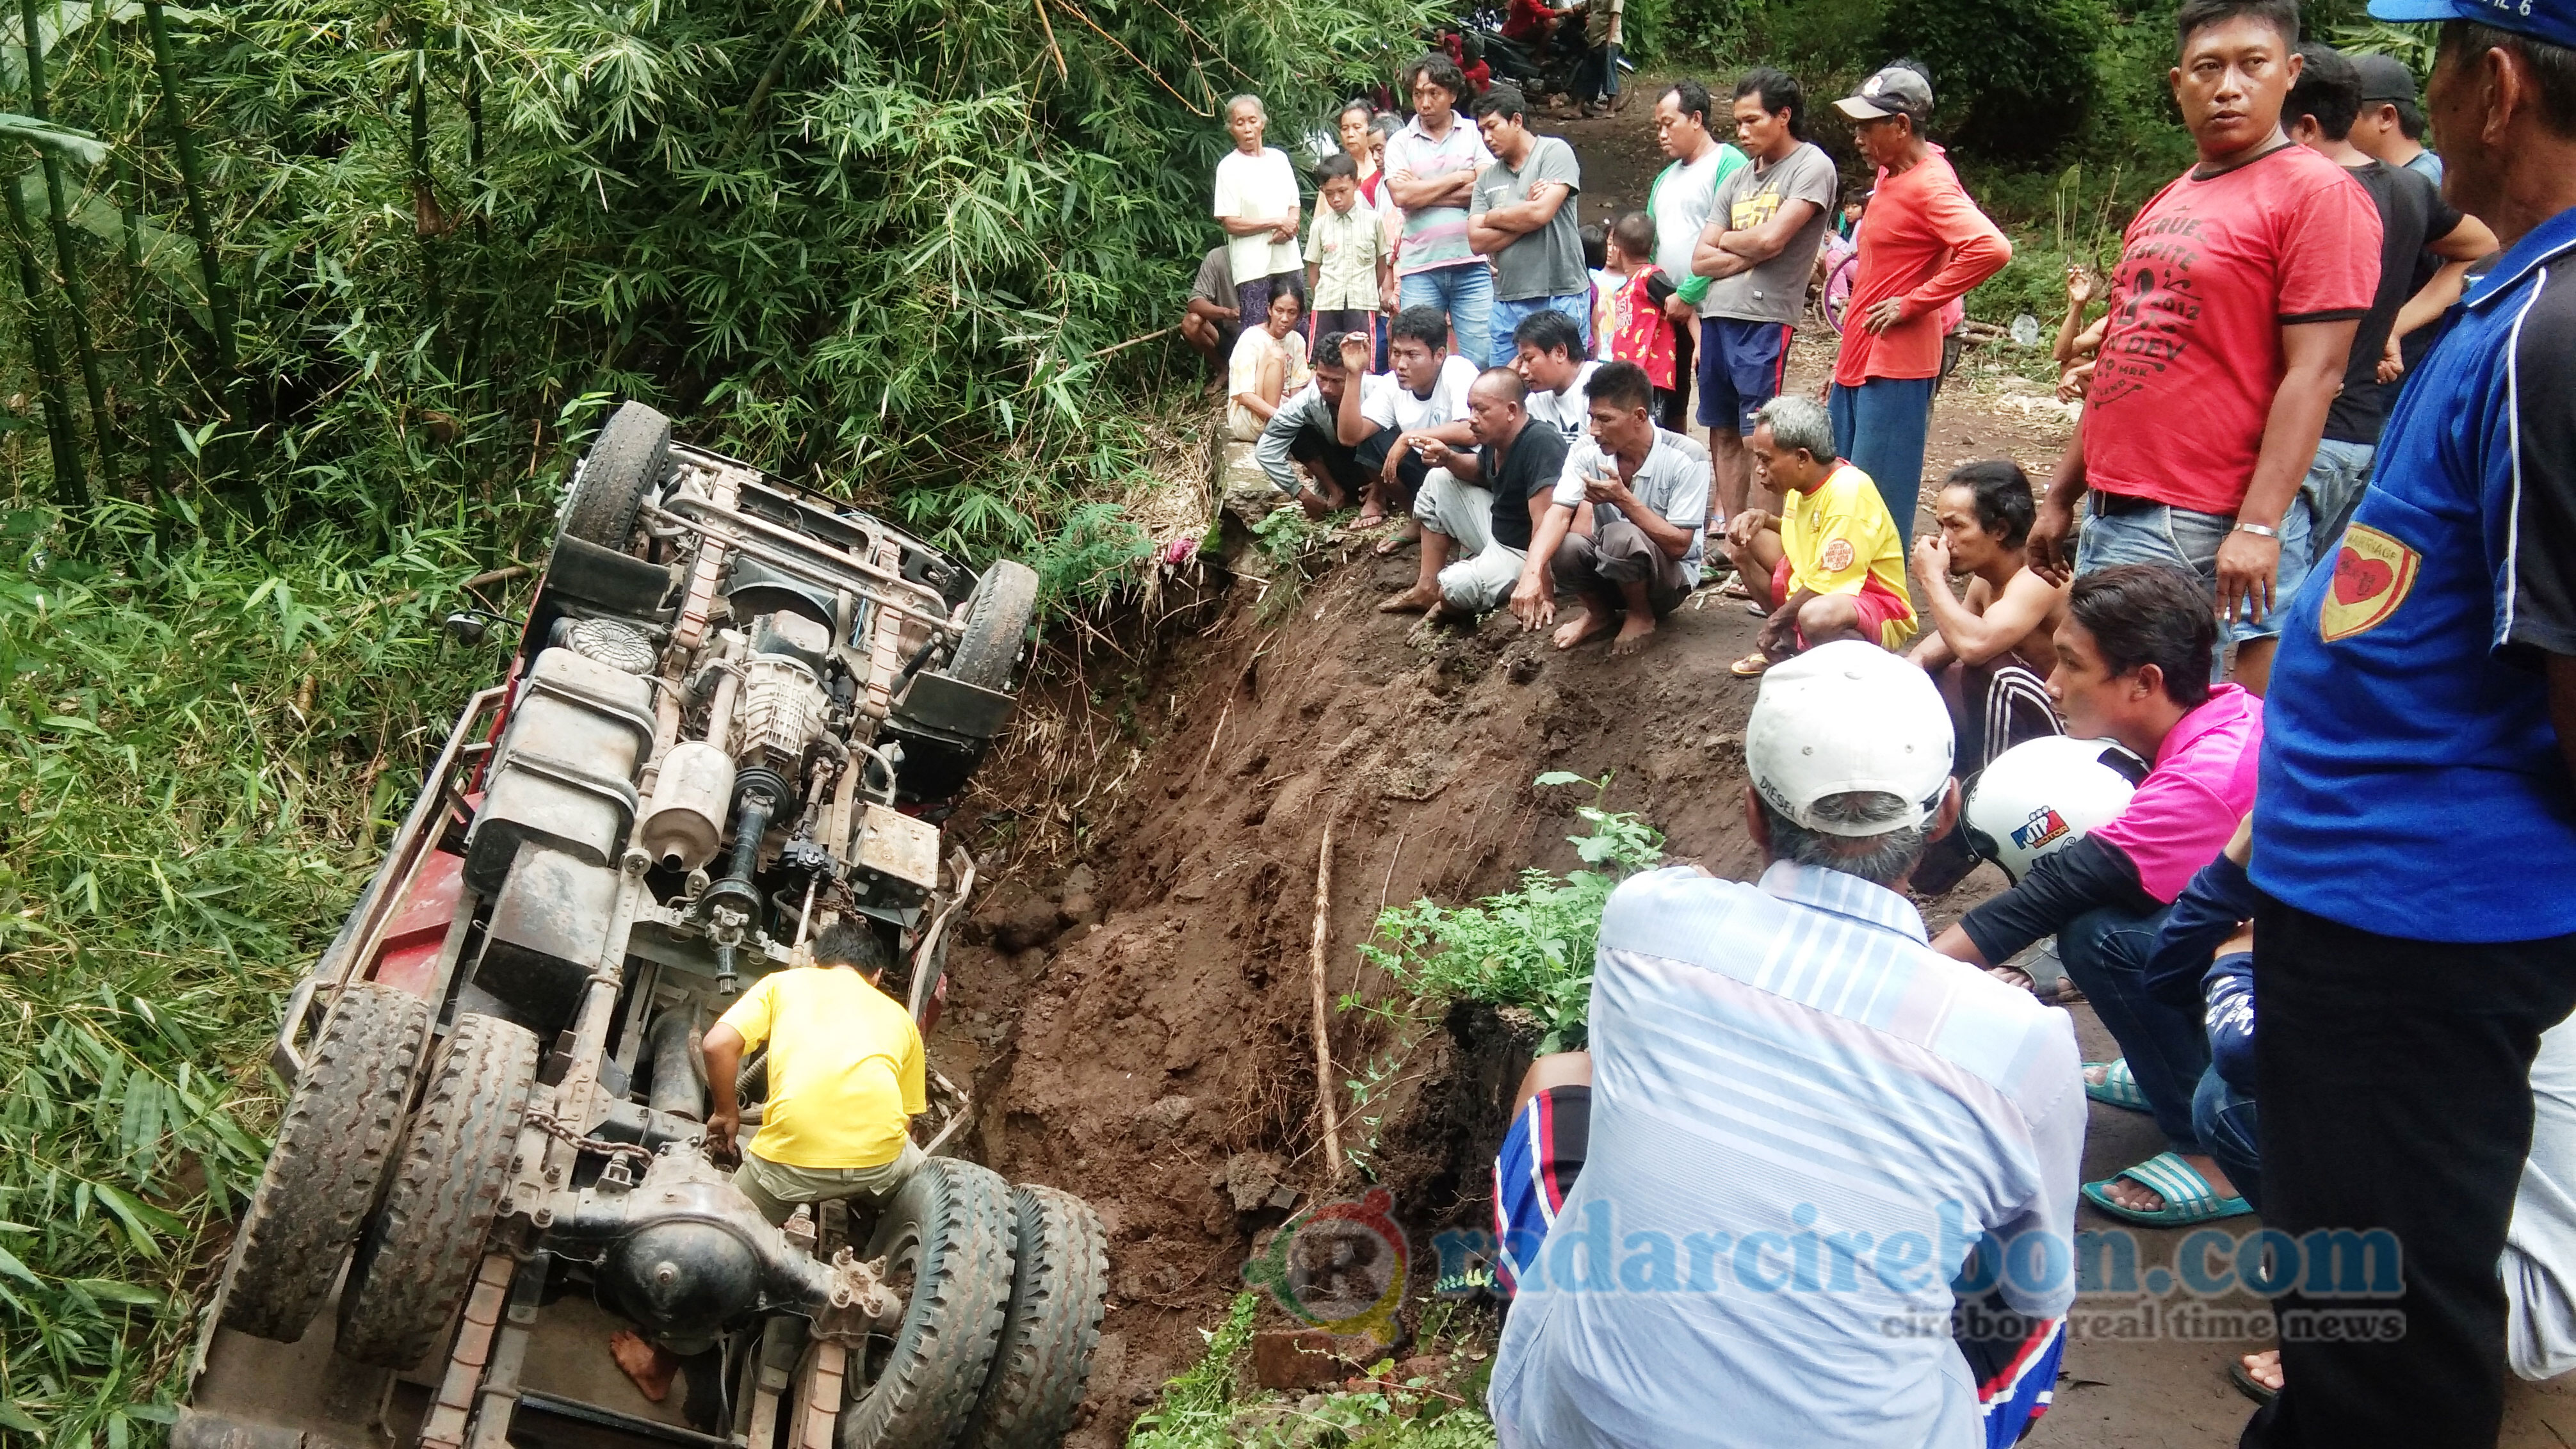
{"points": [[67, 257], [156, 430], [71, 485], [1323, 1022], [192, 189]]}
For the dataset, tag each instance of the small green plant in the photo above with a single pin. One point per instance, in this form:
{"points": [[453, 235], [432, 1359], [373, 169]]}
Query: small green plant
{"points": [[1201, 1409], [1529, 948]]}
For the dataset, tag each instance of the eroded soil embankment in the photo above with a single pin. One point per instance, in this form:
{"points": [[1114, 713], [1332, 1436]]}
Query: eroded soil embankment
{"points": [[1137, 1017]]}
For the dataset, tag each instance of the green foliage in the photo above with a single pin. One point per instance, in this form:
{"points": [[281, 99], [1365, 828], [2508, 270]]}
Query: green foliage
{"points": [[1529, 948], [2013, 76], [198, 755], [885, 248], [1201, 1408], [1198, 1405]]}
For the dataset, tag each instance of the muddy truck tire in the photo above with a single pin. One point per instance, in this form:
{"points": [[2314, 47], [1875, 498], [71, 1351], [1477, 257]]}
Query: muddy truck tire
{"points": [[950, 1226], [1058, 1287], [421, 1251], [334, 1147], [996, 626], [624, 463]]}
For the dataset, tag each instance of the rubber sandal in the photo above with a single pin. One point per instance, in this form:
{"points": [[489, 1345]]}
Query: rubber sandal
{"points": [[1734, 588], [2188, 1196], [1750, 666], [2250, 1386], [2118, 1087]]}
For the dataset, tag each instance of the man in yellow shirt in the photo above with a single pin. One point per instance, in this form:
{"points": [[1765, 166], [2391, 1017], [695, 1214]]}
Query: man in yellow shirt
{"points": [[1833, 565], [845, 1078]]}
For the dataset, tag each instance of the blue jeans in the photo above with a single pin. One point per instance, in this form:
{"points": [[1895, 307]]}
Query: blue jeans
{"points": [[1465, 294], [2105, 952], [2333, 488], [1881, 427], [2225, 1119], [1508, 317], [2161, 534]]}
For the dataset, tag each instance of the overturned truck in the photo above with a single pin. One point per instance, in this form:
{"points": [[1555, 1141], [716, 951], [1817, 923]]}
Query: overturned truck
{"points": [[737, 710]]}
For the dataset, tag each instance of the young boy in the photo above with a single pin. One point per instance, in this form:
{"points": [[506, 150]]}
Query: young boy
{"points": [[1349, 270], [1596, 260], [1636, 302]]}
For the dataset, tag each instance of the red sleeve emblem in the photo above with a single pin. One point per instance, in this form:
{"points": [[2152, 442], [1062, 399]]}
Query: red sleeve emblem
{"points": [[1836, 557]]}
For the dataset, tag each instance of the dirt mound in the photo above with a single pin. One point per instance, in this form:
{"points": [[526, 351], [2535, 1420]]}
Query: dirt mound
{"points": [[1138, 1025]]}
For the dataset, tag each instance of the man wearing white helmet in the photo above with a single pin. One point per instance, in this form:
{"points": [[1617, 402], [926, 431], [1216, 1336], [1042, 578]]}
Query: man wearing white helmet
{"points": [[2133, 666], [1797, 1126]]}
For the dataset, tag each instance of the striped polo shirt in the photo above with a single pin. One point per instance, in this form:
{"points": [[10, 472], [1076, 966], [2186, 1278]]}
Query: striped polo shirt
{"points": [[1803, 1121], [1436, 236]]}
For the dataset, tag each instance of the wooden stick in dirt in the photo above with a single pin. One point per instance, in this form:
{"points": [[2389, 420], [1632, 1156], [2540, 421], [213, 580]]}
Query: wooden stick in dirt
{"points": [[1323, 1043]]}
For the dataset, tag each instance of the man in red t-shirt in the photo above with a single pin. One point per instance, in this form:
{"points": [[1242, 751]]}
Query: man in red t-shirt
{"points": [[1923, 245], [2238, 292]]}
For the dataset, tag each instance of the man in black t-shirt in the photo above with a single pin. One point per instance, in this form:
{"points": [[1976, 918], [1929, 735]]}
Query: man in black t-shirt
{"points": [[2414, 220], [1487, 502]]}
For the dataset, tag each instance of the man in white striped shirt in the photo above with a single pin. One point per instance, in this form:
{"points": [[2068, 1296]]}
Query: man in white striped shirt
{"points": [[1803, 1125]]}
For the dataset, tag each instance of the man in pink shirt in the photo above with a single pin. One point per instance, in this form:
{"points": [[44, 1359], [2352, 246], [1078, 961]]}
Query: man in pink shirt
{"points": [[1923, 245], [2133, 663]]}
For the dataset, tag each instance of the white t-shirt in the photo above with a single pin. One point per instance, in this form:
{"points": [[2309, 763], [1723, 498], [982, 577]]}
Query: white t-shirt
{"points": [[1569, 412], [1385, 402], [1243, 374], [1266, 186]]}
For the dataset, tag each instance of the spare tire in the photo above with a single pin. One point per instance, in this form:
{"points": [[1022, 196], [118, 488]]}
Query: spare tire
{"points": [[997, 627], [1058, 1288], [624, 463], [421, 1251], [950, 1228], [333, 1148]]}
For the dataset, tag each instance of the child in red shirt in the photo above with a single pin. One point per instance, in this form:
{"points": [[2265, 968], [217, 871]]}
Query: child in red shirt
{"points": [[1637, 330]]}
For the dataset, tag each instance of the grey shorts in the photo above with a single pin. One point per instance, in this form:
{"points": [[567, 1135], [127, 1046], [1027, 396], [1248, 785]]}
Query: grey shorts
{"points": [[776, 1188]]}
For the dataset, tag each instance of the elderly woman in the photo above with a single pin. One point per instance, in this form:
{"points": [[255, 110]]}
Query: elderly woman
{"points": [[1257, 204]]}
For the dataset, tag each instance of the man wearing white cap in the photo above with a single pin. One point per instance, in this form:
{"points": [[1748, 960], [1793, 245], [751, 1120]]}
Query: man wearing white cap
{"points": [[1798, 1126]]}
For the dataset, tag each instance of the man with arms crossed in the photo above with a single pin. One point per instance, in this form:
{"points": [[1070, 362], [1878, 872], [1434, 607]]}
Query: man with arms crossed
{"points": [[1800, 1124], [2239, 289], [1648, 492], [1431, 168], [1759, 247], [1523, 218]]}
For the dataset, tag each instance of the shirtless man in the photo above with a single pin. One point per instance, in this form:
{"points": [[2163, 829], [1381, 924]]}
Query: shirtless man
{"points": [[1991, 651]]}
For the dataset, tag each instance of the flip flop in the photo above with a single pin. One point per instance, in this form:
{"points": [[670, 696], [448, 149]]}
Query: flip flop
{"points": [[2188, 1196], [1389, 547], [2250, 1386], [1734, 588], [2118, 1087], [1750, 666]]}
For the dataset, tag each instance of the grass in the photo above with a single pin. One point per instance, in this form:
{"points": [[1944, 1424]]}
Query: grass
{"points": [[199, 752], [1203, 1407]]}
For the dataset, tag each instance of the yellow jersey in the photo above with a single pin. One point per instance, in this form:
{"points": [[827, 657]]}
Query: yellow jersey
{"points": [[1840, 540], [845, 1067]]}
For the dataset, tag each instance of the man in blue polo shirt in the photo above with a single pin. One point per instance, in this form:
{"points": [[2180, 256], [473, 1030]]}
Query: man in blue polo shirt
{"points": [[2415, 822]]}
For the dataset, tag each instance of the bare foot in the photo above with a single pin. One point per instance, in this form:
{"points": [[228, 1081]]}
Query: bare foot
{"points": [[1633, 634], [2136, 1196], [2265, 1368], [1412, 601], [1589, 624], [646, 1364]]}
